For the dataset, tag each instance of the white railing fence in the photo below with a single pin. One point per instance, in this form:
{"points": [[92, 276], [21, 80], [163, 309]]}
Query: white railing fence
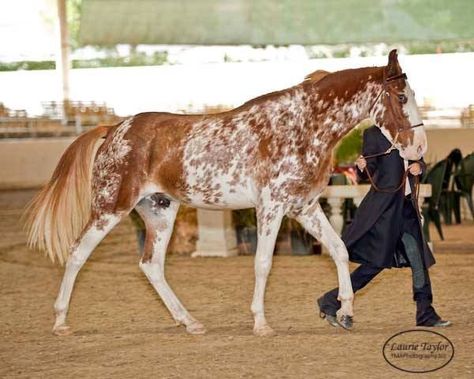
{"points": [[217, 235]]}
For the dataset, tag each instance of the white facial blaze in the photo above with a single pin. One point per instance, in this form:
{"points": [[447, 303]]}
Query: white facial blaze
{"points": [[416, 147], [419, 145], [411, 108]]}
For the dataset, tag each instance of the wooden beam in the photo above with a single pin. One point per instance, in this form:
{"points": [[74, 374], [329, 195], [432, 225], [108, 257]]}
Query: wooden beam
{"points": [[62, 58]]}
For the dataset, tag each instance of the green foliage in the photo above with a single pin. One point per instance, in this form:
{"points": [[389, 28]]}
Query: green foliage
{"points": [[263, 22], [27, 65], [349, 148], [342, 52], [420, 47], [137, 59], [73, 10]]}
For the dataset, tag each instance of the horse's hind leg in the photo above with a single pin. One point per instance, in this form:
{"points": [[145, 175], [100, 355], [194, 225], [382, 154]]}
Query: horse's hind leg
{"points": [[159, 215], [93, 233], [315, 222]]}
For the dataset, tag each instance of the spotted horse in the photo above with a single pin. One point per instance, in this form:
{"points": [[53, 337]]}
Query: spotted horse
{"points": [[273, 154]]}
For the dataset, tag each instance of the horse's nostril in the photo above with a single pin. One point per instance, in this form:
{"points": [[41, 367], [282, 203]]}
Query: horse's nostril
{"points": [[420, 149]]}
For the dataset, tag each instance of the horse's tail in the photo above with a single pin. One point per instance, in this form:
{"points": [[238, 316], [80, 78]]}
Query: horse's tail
{"points": [[57, 215]]}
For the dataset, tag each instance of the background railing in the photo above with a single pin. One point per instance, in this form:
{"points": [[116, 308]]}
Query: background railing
{"points": [[217, 233], [58, 119]]}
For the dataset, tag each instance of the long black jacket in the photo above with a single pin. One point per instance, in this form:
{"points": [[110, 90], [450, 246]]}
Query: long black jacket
{"points": [[374, 236]]}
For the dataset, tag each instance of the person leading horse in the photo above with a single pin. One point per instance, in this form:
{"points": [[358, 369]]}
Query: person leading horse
{"points": [[386, 231]]}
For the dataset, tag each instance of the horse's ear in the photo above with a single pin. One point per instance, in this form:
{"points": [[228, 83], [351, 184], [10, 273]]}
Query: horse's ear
{"points": [[393, 68]]}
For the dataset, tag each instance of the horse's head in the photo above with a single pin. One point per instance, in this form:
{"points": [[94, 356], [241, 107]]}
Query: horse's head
{"points": [[397, 114]]}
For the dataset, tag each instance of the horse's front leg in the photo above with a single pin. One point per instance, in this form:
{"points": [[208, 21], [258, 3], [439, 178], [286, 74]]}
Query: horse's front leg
{"points": [[315, 222], [269, 218]]}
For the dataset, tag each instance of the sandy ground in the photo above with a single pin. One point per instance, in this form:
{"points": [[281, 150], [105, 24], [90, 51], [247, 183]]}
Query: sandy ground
{"points": [[122, 329]]}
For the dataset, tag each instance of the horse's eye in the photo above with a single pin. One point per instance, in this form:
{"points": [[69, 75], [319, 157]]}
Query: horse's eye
{"points": [[402, 98]]}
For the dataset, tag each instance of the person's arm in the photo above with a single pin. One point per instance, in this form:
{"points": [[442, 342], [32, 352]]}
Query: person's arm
{"points": [[417, 167], [369, 147]]}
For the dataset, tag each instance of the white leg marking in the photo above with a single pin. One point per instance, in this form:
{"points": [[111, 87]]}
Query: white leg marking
{"points": [[160, 223], [315, 222], [267, 234], [79, 254]]}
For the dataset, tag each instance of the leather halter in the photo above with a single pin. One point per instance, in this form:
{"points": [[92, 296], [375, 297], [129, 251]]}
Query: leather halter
{"points": [[385, 82]]}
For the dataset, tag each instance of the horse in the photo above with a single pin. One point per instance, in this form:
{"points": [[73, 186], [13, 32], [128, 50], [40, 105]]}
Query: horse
{"points": [[273, 153]]}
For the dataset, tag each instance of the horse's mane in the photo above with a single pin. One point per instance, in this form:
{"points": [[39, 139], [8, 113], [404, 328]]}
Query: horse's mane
{"points": [[313, 77]]}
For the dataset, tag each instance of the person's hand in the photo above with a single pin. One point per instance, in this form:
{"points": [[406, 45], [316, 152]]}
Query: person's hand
{"points": [[361, 163], [415, 169]]}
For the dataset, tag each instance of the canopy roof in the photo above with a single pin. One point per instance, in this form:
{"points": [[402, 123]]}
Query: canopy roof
{"points": [[278, 22]]}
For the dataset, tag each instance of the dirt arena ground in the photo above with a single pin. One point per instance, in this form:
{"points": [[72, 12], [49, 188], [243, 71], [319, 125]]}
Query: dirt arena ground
{"points": [[122, 330]]}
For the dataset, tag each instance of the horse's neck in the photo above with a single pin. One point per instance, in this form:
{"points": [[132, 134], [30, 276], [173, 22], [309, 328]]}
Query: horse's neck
{"points": [[338, 109]]}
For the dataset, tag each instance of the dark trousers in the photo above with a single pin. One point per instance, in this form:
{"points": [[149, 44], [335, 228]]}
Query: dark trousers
{"points": [[422, 294]]}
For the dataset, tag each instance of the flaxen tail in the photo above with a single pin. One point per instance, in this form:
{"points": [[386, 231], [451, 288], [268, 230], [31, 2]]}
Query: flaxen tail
{"points": [[57, 215]]}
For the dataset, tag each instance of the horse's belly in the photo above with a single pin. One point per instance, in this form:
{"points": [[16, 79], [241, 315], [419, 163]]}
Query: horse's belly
{"points": [[228, 202], [219, 194], [231, 204]]}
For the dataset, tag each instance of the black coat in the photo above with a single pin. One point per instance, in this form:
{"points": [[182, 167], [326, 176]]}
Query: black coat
{"points": [[374, 236]]}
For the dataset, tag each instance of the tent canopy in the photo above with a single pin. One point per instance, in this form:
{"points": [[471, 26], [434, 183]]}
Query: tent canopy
{"points": [[277, 22]]}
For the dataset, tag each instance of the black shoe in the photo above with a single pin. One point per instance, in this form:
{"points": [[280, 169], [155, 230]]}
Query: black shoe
{"points": [[331, 319], [439, 324]]}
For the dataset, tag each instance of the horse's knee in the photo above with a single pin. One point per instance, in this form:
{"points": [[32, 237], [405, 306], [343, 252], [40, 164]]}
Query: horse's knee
{"points": [[338, 251], [342, 256], [263, 265]]}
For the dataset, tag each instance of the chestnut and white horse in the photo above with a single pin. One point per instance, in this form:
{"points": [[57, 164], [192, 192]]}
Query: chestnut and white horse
{"points": [[273, 153]]}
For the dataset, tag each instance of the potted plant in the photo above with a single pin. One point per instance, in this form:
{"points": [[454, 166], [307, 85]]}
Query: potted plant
{"points": [[245, 222], [350, 147], [301, 241]]}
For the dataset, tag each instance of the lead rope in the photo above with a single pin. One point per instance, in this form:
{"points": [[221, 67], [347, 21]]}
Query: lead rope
{"points": [[404, 178], [388, 151], [416, 191]]}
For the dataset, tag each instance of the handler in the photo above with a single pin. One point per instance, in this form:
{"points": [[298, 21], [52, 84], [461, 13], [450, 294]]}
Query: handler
{"points": [[386, 231]]}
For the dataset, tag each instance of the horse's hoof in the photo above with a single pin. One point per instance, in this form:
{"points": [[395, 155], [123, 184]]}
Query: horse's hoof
{"points": [[345, 321], [195, 328], [62, 330], [264, 331]]}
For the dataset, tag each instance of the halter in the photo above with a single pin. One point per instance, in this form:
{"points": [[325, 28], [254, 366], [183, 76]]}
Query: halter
{"points": [[384, 90], [385, 82]]}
